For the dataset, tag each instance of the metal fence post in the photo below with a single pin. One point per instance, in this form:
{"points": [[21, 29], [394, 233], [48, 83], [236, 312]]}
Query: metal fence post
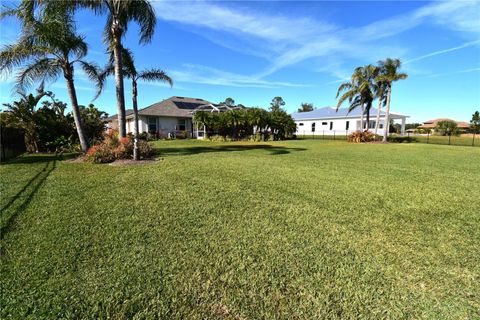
{"points": [[428, 136], [346, 134], [473, 139], [333, 134], [323, 136], [449, 137]]}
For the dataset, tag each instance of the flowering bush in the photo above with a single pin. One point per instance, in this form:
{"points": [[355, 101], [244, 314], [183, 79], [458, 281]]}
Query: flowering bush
{"points": [[113, 147]]}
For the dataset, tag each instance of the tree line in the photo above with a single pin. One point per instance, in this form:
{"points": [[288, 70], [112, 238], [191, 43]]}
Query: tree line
{"points": [[247, 123]]}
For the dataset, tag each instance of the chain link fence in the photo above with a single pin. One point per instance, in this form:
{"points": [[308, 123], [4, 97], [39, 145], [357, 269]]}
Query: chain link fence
{"points": [[472, 139]]}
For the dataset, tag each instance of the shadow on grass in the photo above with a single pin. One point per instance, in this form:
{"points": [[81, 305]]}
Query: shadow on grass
{"points": [[36, 158], [37, 181], [273, 150]]}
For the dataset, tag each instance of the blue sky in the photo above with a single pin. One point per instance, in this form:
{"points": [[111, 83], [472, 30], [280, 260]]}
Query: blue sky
{"points": [[252, 51]]}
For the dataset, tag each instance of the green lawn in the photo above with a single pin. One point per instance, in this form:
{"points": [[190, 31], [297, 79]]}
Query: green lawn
{"points": [[287, 230]]}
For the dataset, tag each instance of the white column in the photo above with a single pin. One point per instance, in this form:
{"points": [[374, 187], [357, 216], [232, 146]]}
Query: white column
{"points": [[403, 126]]}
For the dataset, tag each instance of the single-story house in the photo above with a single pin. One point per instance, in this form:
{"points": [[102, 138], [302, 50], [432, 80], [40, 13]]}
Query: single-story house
{"points": [[329, 121], [431, 124], [170, 116]]}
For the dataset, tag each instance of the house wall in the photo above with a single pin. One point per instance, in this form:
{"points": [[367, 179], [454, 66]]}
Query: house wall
{"points": [[329, 126], [165, 125]]}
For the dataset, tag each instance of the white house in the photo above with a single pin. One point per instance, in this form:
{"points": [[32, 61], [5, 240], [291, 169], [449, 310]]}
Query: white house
{"points": [[328, 121]]}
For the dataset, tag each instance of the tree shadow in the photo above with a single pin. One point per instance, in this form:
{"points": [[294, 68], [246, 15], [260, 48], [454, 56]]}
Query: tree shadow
{"points": [[38, 180], [37, 158], [186, 151]]}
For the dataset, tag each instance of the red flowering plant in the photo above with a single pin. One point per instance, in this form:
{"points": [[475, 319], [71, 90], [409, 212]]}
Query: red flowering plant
{"points": [[114, 147]]}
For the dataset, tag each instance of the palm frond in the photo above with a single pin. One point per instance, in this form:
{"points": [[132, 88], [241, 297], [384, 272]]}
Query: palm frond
{"points": [[155, 75], [95, 74], [347, 95], [344, 86], [44, 69]]}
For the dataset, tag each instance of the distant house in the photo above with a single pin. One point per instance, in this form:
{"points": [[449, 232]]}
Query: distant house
{"points": [[171, 116], [432, 124], [329, 121]]}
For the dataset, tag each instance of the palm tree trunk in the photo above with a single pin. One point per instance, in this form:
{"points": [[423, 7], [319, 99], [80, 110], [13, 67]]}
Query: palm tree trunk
{"points": [[387, 115], [361, 117], [68, 74], [122, 129], [378, 115], [368, 116], [136, 155]]}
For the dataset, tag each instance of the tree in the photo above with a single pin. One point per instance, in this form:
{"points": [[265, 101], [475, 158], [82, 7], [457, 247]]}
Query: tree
{"points": [[475, 122], [359, 92], [94, 123], [119, 14], [388, 74], [277, 104], [21, 114], [447, 128], [229, 102], [130, 71], [46, 49], [380, 94], [306, 107]]}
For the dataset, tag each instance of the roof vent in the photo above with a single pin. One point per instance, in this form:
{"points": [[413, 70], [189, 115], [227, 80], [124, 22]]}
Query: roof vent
{"points": [[180, 97]]}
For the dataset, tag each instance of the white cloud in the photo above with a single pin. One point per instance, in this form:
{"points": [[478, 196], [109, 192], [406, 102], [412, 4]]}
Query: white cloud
{"points": [[284, 41], [207, 75], [435, 53]]}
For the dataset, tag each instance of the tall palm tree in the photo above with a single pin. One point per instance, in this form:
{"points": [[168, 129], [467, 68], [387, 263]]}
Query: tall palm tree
{"points": [[130, 71], [47, 48], [119, 14], [359, 92], [389, 74], [380, 94]]}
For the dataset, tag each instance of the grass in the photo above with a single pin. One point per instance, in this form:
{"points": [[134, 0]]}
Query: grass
{"points": [[432, 139], [298, 230]]}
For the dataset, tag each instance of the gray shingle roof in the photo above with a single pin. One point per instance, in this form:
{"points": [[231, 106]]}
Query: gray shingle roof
{"points": [[329, 112], [171, 107]]}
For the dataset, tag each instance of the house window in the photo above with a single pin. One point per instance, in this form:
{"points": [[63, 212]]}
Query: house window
{"points": [[324, 123], [313, 126], [300, 124], [347, 125], [152, 124], [331, 125], [181, 124], [380, 125], [371, 124]]}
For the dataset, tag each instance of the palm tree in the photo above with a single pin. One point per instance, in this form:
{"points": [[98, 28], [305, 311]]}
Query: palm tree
{"points": [[119, 14], [359, 92], [388, 74], [48, 47], [130, 71], [380, 94]]}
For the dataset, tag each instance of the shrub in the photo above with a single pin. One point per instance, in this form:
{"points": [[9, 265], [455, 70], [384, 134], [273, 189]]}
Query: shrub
{"points": [[100, 153], [112, 148], [361, 136], [399, 139]]}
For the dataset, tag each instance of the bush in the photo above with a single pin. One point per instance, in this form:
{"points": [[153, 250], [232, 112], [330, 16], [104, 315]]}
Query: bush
{"points": [[398, 139], [359, 137], [113, 148]]}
